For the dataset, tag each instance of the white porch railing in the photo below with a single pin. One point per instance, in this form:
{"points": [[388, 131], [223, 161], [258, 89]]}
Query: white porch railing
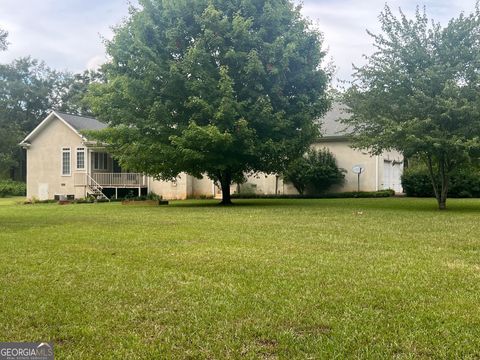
{"points": [[119, 180]]}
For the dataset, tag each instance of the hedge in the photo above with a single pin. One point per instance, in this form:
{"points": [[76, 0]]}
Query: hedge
{"points": [[341, 195], [463, 184], [12, 188]]}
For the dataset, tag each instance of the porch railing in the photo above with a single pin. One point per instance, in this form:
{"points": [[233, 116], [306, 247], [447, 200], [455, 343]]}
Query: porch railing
{"points": [[112, 179]]}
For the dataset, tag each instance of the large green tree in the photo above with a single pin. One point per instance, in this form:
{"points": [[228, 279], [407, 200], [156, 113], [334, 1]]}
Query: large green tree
{"points": [[28, 91], [419, 93], [215, 87]]}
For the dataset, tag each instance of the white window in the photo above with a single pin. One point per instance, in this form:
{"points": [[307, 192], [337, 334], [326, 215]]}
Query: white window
{"points": [[80, 158], [100, 161], [66, 165]]}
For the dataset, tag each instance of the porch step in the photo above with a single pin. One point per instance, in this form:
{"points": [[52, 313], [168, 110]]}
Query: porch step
{"points": [[96, 189]]}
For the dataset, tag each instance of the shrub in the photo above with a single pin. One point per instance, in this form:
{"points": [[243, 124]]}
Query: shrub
{"points": [[12, 188], [153, 196], [416, 182], [34, 201], [341, 195], [150, 196], [463, 184], [315, 173]]}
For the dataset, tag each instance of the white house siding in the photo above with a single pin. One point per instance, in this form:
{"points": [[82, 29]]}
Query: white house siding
{"points": [[347, 158], [184, 187], [171, 190], [372, 179], [44, 161], [264, 184], [202, 187]]}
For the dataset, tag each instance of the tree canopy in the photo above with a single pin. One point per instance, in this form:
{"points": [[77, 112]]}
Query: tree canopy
{"points": [[75, 93], [419, 93], [29, 89], [212, 87]]}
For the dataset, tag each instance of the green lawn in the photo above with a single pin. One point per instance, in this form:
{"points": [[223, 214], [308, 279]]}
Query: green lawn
{"points": [[288, 279], [11, 201]]}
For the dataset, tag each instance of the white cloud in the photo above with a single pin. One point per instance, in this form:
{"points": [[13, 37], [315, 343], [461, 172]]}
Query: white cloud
{"points": [[67, 34], [95, 62]]}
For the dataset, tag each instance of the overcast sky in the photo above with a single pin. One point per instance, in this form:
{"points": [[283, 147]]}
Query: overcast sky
{"points": [[67, 34]]}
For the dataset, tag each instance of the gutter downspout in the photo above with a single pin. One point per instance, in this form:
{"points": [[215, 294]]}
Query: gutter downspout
{"points": [[377, 172]]}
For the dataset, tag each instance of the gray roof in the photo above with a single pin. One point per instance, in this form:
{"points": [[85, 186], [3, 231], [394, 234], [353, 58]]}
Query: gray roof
{"points": [[330, 124], [81, 123]]}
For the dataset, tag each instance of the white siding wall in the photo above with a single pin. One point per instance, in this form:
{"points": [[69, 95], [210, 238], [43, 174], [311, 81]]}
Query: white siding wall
{"points": [[44, 161], [171, 190]]}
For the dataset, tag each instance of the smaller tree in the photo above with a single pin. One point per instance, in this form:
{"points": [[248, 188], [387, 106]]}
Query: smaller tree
{"points": [[418, 93], [315, 172]]}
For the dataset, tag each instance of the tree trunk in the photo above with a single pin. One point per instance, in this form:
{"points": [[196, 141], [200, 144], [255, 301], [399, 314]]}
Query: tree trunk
{"points": [[225, 182], [442, 203], [442, 198], [440, 188], [444, 184]]}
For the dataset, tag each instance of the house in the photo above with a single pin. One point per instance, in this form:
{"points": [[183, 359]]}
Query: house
{"points": [[378, 172], [62, 162]]}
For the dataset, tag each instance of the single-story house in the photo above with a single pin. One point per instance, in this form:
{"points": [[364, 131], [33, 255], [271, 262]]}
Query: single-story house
{"points": [[61, 162]]}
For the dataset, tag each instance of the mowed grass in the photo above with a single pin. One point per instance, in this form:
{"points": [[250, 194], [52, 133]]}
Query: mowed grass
{"points": [[266, 279], [11, 200]]}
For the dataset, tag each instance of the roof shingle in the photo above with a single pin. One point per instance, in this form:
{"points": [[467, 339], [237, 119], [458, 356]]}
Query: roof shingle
{"points": [[81, 123], [330, 124]]}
